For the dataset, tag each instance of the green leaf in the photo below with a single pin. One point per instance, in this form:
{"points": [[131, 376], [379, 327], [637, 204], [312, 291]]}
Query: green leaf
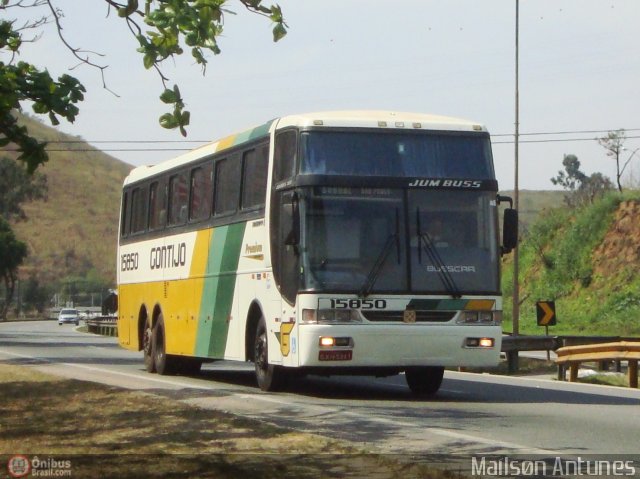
{"points": [[168, 121], [168, 96], [176, 91], [185, 117], [149, 60], [279, 31]]}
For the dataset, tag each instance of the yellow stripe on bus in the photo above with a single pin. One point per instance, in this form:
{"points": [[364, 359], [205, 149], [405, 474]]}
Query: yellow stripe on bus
{"points": [[226, 143], [480, 305], [186, 296]]}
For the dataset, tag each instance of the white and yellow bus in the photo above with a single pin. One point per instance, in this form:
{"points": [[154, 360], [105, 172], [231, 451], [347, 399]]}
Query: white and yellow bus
{"points": [[325, 243]]}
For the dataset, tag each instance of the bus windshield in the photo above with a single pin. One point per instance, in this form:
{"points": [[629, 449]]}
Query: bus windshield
{"points": [[404, 154], [380, 241]]}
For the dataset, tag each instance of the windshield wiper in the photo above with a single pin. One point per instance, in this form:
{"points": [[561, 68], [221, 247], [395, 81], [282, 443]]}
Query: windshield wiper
{"points": [[435, 259], [382, 257]]}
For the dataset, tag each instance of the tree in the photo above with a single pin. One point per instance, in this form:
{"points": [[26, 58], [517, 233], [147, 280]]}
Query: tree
{"points": [[572, 177], [162, 29], [18, 186], [614, 144], [583, 189], [12, 254], [34, 295]]}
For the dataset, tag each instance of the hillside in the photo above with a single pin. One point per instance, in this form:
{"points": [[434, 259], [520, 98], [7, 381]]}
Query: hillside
{"points": [[73, 233], [587, 260], [532, 202]]}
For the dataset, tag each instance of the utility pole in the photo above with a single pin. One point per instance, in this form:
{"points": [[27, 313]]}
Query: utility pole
{"points": [[513, 359]]}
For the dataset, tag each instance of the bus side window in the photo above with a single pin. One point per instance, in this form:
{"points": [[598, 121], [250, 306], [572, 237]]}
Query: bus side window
{"points": [[284, 244], [200, 204], [254, 177], [285, 155], [227, 190], [178, 199], [138, 210], [124, 224], [157, 206]]}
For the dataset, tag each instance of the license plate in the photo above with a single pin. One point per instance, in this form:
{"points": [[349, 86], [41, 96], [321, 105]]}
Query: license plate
{"points": [[335, 355]]}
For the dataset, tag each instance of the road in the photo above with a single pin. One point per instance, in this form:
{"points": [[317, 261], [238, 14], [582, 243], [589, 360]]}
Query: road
{"points": [[472, 414]]}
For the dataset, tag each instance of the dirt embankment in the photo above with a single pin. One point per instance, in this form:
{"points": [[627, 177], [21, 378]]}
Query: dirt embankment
{"points": [[620, 248]]}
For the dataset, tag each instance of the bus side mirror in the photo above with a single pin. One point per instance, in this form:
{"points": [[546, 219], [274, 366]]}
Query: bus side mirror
{"points": [[509, 230]]}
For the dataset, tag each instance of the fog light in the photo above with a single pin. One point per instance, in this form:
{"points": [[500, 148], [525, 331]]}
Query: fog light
{"points": [[486, 342], [327, 342], [479, 342]]}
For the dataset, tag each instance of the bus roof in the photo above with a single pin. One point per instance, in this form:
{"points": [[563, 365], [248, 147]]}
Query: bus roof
{"points": [[330, 119], [379, 119]]}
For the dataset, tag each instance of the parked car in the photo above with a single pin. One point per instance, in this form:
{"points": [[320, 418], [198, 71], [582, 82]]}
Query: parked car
{"points": [[68, 316]]}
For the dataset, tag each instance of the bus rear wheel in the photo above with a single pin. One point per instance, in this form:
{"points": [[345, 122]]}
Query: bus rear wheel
{"points": [[147, 347], [268, 376], [163, 362], [424, 381]]}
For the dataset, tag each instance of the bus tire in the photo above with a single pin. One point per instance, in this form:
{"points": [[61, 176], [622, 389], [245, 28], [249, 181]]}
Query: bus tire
{"points": [[164, 363], [147, 347], [268, 376], [424, 381]]}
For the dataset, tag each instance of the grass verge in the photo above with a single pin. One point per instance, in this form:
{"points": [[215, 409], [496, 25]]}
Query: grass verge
{"points": [[109, 432]]}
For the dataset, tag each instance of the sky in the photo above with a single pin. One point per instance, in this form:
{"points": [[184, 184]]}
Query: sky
{"points": [[579, 75]]}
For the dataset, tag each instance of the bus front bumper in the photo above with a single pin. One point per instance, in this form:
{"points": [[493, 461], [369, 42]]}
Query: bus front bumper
{"points": [[403, 345]]}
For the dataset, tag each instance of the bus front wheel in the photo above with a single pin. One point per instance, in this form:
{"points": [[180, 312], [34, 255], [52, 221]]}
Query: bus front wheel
{"points": [[424, 381], [268, 376]]}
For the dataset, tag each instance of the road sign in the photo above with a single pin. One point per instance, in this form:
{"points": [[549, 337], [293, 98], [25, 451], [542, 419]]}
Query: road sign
{"points": [[546, 312]]}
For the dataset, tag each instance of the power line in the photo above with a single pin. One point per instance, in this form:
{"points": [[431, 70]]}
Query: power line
{"points": [[558, 140], [162, 142], [576, 132], [494, 135]]}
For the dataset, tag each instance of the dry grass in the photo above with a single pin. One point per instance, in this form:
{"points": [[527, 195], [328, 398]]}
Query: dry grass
{"points": [[109, 432]]}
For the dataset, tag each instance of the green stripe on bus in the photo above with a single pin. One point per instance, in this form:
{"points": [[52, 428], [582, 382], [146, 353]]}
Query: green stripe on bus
{"points": [[218, 290], [262, 130], [255, 133]]}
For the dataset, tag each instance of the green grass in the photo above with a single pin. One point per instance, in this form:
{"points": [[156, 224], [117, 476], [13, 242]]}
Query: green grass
{"points": [[618, 380], [557, 262]]}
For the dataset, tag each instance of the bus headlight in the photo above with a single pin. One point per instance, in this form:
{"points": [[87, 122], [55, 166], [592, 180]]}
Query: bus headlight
{"points": [[324, 316], [480, 317]]}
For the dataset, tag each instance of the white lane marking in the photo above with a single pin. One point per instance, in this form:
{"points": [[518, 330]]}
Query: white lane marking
{"points": [[110, 371]]}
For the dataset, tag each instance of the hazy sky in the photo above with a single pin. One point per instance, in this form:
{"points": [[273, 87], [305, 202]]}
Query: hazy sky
{"points": [[579, 74]]}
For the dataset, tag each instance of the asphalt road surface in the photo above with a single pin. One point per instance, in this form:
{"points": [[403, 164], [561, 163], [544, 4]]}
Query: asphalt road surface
{"points": [[472, 414]]}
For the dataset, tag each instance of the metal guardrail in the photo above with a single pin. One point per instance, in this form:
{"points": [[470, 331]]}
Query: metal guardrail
{"points": [[552, 343], [103, 325], [512, 345], [617, 351]]}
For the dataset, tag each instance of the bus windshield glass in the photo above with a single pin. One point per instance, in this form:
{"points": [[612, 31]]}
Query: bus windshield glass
{"points": [[397, 154], [367, 241]]}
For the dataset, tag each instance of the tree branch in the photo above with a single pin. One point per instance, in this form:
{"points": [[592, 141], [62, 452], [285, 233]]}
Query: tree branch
{"points": [[77, 51]]}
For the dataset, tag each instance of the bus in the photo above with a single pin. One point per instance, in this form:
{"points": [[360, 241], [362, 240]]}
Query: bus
{"points": [[350, 242]]}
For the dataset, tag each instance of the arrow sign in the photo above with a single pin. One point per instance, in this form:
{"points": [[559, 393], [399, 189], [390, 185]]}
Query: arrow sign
{"points": [[546, 312]]}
